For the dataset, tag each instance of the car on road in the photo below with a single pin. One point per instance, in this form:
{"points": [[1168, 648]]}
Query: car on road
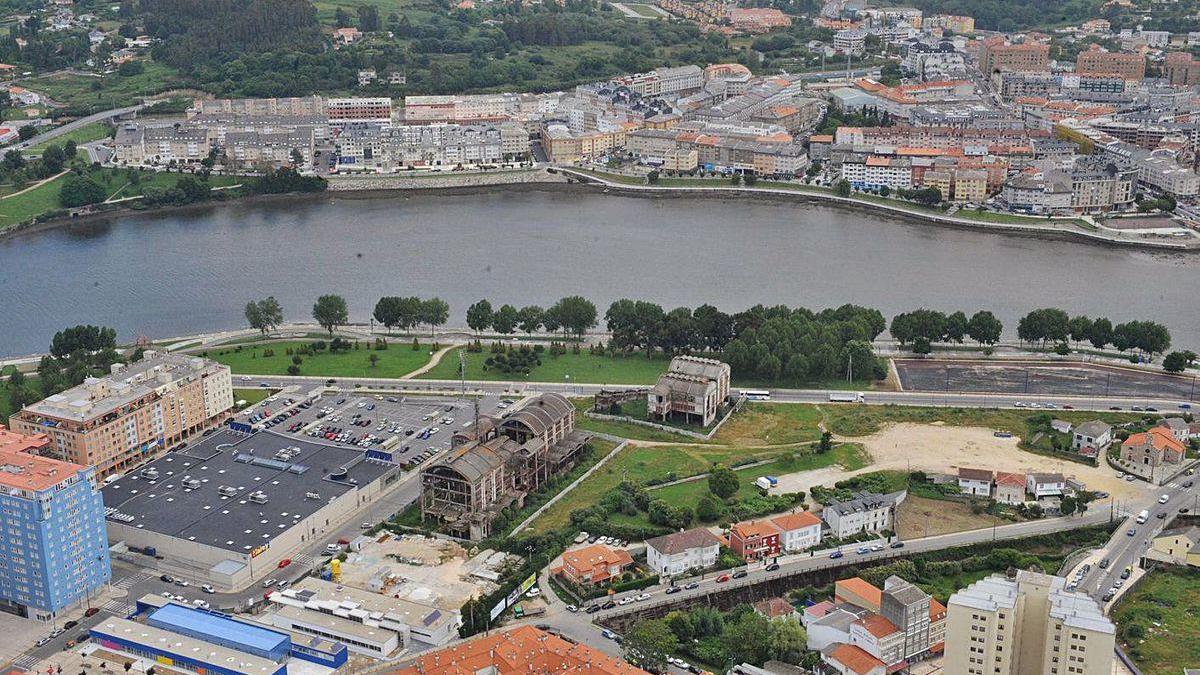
{"points": [[283, 584], [365, 526], [835, 555], [70, 624], [1130, 478], [268, 583], [1109, 595], [208, 589], [897, 544], [1132, 532], [1161, 515], [91, 611], [772, 567], [625, 601], [691, 585], [723, 578], [608, 633], [863, 550], [740, 574], [592, 609], [671, 590], [572, 609], [1127, 571], [876, 547], [181, 583], [1189, 484], [1164, 499], [166, 578], [1105, 563], [55, 633], [202, 604], [642, 597], [43, 642], [608, 605]]}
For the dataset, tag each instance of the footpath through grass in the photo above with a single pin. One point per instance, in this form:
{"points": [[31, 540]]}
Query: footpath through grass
{"points": [[1159, 621], [395, 361], [85, 134], [583, 367], [639, 464]]}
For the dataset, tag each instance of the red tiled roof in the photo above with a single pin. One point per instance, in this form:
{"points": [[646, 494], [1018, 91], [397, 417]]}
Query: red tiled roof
{"points": [[1010, 479], [795, 521], [860, 588], [877, 625], [519, 651], [855, 659]]}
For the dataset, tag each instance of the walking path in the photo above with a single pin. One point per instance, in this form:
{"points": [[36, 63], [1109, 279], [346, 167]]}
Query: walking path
{"points": [[1050, 226], [433, 361], [38, 184]]}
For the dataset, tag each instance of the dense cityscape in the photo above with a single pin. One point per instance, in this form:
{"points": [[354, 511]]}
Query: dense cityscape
{"points": [[256, 459]]}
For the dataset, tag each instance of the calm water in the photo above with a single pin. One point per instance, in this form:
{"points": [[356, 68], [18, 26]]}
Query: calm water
{"points": [[172, 274]]}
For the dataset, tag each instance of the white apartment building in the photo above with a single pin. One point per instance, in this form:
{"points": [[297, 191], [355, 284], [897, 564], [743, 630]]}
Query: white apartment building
{"points": [[1026, 625], [679, 552], [864, 512], [1161, 173], [850, 41], [874, 172], [462, 108]]}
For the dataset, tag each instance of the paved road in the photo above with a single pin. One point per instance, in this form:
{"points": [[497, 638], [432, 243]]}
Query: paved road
{"points": [[911, 398], [77, 124]]}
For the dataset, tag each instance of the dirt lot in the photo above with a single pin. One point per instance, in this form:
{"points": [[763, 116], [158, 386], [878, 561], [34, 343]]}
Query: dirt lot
{"points": [[937, 448], [921, 517]]}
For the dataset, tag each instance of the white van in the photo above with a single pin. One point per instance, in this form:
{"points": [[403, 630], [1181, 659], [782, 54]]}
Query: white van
{"points": [[1143, 517]]}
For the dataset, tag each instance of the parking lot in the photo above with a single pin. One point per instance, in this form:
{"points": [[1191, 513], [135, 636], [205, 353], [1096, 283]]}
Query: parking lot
{"points": [[411, 428], [1063, 379]]}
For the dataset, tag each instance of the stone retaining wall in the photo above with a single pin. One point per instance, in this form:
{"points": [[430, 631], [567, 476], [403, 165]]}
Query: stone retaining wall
{"points": [[448, 180]]}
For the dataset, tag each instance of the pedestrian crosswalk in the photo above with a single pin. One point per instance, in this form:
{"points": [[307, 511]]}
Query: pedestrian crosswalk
{"points": [[26, 662], [303, 559], [118, 607], [132, 580]]}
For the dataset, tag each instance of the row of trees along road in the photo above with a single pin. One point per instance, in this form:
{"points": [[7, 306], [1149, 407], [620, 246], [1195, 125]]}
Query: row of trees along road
{"points": [[921, 327], [1052, 325], [572, 315]]}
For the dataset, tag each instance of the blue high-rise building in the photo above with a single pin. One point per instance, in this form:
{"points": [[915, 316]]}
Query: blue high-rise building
{"points": [[53, 547]]}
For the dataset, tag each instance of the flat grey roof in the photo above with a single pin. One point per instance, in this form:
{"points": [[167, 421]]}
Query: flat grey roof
{"points": [[184, 500]]}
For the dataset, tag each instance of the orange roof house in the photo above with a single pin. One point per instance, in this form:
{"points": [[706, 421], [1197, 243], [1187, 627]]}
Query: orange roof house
{"points": [[12, 441], [855, 660], [520, 651], [857, 592], [595, 564]]}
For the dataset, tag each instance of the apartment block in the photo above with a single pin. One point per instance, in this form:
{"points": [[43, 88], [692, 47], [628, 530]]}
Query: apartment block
{"points": [[460, 109], [361, 110], [997, 53], [137, 145], [1182, 69], [1026, 624], [53, 552], [1097, 61], [119, 421], [260, 107]]}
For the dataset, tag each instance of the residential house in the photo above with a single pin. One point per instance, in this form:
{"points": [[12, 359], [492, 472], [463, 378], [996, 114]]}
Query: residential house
{"points": [[594, 564], [679, 552], [1061, 426], [797, 531], [754, 540], [1178, 427], [1045, 484], [896, 626], [776, 608], [848, 659], [1093, 434], [855, 591], [975, 482], [1010, 487], [863, 512], [1180, 546]]}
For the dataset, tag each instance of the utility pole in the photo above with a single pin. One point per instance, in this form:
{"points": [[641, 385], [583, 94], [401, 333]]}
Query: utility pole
{"points": [[462, 373]]}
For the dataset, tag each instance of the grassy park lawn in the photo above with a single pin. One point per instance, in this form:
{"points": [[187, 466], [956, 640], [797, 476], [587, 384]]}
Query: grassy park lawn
{"points": [[771, 424], [396, 360], [644, 10], [582, 367], [27, 205], [85, 134], [848, 455], [642, 463], [252, 396], [1159, 620]]}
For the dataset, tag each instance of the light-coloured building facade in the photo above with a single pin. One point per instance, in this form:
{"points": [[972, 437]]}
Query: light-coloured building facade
{"points": [[693, 388], [134, 414], [679, 552], [864, 512], [1026, 625]]}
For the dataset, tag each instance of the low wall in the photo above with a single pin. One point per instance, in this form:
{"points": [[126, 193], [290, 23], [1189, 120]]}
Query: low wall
{"points": [[463, 179]]}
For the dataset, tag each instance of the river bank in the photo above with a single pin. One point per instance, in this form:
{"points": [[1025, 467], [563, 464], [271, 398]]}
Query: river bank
{"points": [[1062, 229]]}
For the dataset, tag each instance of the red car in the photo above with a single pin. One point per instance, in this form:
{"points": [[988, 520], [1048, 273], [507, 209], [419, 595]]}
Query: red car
{"points": [[285, 562], [91, 611], [723, 578]]}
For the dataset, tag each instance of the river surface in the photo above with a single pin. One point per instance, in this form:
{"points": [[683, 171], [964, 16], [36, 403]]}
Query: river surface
{"points": [[173, 273]]}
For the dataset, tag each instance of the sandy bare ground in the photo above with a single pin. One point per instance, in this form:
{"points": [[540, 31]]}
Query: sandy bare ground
{"points": [[937, 448]]}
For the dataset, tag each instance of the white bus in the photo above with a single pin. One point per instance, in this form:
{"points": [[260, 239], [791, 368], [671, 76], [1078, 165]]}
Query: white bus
{"points": [[756, 394]]}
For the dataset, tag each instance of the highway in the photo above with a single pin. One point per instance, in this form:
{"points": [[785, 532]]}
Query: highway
{"points": [[51, 134], [909, 398]]}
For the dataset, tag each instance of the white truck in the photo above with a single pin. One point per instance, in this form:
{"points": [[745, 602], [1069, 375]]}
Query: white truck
{"points": [[847, 397], [1143, 517]]}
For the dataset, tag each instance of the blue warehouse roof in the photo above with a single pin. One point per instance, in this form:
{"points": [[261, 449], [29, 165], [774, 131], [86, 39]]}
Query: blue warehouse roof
{"points": [[220, 629]]}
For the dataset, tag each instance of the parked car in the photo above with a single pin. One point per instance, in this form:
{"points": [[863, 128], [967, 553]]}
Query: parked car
{"points": [[671, 590], [723, 578]]}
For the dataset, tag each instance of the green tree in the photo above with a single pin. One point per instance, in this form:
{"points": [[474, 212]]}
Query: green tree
{"points": [[842, 188], [529, 318], [786, 640], [723, 481], [1101, 333], [368, 18], [374, 359], [575, 314], [746, 639], [80, 191], [1178, 361], [505, 319], [648, 643], [264, 315], [434, 312], [479, 316], [330, 312], [984, 328], [389, 311], [708, 509]]}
